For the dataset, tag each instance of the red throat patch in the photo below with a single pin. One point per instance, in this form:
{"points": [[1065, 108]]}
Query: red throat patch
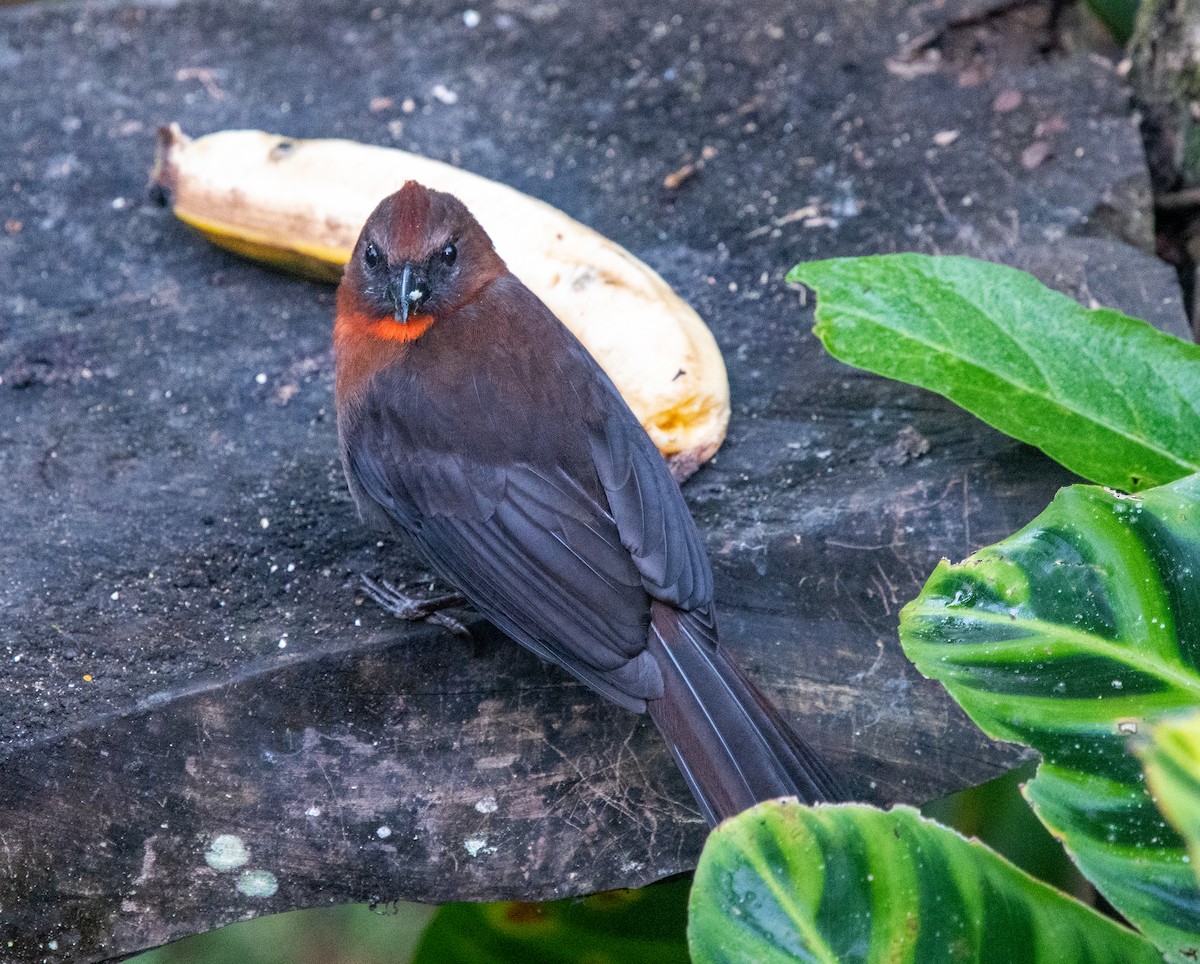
{"points": [[356, 324], [410, 217]]}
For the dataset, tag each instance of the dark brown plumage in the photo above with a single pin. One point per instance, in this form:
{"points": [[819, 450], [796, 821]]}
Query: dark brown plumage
{"points": [[473, 421]]}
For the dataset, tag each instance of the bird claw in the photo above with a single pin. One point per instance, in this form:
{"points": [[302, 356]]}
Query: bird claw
{"points": [[395, 601]]}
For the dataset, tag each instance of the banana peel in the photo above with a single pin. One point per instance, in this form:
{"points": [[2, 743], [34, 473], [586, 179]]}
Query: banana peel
{"points": [[299, 205]]}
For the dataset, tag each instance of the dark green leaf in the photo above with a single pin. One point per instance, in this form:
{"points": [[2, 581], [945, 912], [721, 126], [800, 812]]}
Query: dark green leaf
{"points": [[784, 882], [645, 926], [1116, 15], [1106, 395], [1073, 635], [996, 814], [335, 935]]}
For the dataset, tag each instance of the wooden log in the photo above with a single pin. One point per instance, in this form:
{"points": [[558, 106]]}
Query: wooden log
{"points": [[203, 720]]}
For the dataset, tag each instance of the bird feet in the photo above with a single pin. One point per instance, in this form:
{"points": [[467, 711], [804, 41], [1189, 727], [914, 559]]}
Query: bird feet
{"points": [[403, 606]]}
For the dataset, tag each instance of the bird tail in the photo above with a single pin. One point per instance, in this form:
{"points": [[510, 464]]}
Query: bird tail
{"points": [[733, 746]]}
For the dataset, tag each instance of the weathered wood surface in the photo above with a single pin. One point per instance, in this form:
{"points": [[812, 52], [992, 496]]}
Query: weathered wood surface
{"points": [[184, 655]]}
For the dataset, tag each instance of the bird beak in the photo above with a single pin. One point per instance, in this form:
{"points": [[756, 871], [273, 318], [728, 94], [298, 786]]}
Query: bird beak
{"points": [[409, 291]]}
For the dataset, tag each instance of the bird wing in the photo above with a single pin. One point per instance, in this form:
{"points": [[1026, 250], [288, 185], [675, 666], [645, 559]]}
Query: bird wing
{"points": [[534, 550], [650, 513]]}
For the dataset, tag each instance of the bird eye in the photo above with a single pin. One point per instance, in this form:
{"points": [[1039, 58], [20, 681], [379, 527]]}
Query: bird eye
{"points": [[450, 253], [371, 256]]}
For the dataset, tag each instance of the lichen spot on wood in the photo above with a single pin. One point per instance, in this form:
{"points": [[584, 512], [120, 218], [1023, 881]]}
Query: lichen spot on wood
{"points": [[477, 845], [226, 852], [257, 883]]}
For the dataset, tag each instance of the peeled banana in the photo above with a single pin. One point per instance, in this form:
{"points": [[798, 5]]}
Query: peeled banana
{"points": [[300, 204]]}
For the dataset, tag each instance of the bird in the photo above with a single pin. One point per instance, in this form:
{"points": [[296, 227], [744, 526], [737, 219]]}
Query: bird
{"points": [[472, 421]]}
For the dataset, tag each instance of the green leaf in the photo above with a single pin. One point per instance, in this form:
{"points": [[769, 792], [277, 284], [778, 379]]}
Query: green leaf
{"points": [[1172, 760], [783, 883], [645, 926], [1117, 15], [1073, 635], [1108, 396]]}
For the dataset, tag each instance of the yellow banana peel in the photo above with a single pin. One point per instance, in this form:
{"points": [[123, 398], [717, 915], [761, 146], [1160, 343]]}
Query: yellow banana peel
{"points": [[299, 205]]}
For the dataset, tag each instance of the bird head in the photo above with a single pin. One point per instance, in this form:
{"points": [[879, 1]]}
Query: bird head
{"points": [[420, 256]]}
